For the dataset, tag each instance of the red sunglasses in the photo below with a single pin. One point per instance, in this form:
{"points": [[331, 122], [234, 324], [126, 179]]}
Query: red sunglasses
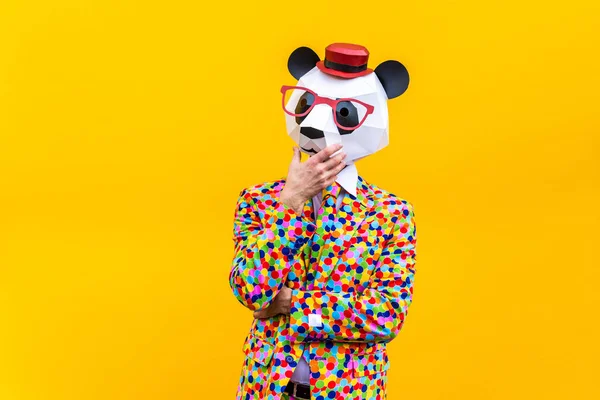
{"points": [[333, 103]]}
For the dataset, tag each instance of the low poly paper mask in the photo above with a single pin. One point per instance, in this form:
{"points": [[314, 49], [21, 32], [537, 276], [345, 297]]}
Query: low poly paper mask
{"points": [[340, 100]]}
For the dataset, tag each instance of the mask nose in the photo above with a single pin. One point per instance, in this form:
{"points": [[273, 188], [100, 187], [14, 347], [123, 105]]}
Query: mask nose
{"points": [[319, 120], [311, 133]]}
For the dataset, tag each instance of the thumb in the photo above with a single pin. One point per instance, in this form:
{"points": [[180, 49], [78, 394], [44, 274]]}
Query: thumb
{"points": [[296, 157]]}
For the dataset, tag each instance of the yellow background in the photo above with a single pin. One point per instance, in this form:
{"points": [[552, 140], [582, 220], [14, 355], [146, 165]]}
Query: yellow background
{"points": [[128, 128]]}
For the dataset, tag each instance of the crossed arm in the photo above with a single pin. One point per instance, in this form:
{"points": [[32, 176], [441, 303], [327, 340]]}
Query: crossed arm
{"points": [[265, 252]]}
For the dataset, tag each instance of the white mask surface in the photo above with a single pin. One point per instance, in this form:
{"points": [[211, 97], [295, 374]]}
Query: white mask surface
{"points": [[318, 130], [361, 114]]}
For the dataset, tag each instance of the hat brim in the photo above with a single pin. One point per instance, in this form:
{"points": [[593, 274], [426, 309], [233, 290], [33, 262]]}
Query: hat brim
{"points": [[341, 74]]}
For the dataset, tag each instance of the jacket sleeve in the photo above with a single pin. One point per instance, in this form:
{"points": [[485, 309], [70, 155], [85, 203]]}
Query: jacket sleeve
{"points": [[264, 248], [377, 314]]}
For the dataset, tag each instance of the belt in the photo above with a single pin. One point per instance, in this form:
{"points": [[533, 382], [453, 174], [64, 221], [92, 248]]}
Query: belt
{"points": [[298, 390]]}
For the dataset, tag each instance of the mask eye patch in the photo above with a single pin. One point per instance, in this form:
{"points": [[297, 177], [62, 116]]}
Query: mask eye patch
{"points": [[304, 103], [346, 114]]}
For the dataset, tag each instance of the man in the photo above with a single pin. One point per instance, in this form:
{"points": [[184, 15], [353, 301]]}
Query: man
{"points": [[325, 259]]}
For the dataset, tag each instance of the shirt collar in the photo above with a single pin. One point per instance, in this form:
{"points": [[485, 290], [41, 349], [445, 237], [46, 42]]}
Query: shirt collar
{"points": [[348, 179]]}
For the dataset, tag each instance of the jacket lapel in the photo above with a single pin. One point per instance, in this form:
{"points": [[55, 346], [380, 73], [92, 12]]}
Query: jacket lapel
{"points": [[308, 211]]}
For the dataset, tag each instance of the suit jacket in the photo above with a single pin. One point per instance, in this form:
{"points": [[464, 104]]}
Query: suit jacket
{"points": [[346, 306]]}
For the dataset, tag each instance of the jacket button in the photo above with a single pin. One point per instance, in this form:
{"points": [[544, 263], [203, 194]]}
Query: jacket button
{"points": [[289, 359]]}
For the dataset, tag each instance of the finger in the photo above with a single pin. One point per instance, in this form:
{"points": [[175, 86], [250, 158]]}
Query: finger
{"points": [[331, 175], [296, 156], [267, 312], [334, 161], [324, 154], [330, 181]]}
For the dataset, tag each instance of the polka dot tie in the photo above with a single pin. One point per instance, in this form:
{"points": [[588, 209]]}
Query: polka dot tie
{"points": [[326, 219], [326, 214]]}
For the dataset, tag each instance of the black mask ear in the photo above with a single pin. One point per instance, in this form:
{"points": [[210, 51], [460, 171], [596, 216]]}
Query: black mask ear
{"points": [[302, 60], [393, 77]]}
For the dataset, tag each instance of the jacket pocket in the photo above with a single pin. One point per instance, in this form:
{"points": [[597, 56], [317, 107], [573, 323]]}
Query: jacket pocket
{"points": [[258, 350], [371, 363]]}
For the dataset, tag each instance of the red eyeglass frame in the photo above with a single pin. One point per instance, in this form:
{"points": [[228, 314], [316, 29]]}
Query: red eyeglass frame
{"points": [[325, 100]]}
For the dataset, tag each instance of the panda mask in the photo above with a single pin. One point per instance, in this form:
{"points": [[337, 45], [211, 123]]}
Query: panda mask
{"points": [[340, 100]]}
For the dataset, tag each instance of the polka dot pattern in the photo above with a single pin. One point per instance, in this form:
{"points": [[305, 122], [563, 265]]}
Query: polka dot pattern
{"points": [[354, 268]]}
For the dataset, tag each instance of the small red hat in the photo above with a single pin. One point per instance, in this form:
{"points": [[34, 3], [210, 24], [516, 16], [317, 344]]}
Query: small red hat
{"points": [[345, 60]]}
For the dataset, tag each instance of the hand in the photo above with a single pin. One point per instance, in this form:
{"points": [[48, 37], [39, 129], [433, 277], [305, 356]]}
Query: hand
{"points": [[304, 180], [281, 304]]}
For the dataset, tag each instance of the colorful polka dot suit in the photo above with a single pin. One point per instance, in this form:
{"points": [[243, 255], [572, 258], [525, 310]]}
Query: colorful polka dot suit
{"points": [[352, 284]]}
